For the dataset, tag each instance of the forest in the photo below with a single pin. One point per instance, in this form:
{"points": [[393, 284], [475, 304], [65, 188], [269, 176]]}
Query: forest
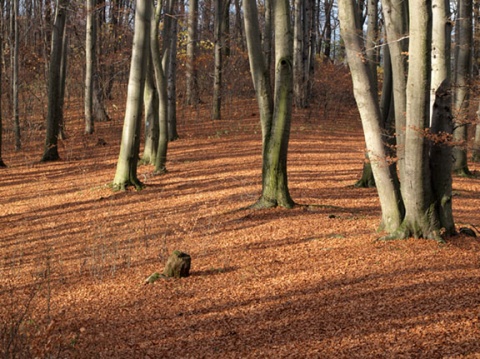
{"points": [[239, 179]]}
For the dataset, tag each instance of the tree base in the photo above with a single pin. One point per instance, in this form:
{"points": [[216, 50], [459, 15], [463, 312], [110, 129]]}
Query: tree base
{"points": [[365, 183], [2, 164], [263, 203], [51, 154], [463, 172], [405, 233], [122, 186]]}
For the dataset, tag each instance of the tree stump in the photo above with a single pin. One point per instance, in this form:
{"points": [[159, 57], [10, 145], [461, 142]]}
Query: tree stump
{"points": [[178, 265]]}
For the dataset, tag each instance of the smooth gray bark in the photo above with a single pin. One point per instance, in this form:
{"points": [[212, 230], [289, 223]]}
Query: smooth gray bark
{"points": [[463, 53], [126, 172], [367, 102], [15, 69]]}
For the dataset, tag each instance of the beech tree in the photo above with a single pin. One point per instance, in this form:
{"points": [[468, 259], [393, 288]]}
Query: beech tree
{"points": [[191, 95], [126, 172], [425, 188], [91, 36], [55, 85], [275, 105]]}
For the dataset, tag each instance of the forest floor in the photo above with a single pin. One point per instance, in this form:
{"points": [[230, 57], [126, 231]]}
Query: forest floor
{"points": [[310, 282]]}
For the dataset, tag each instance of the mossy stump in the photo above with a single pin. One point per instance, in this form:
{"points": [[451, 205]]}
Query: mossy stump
{"points": [[178, 265]]}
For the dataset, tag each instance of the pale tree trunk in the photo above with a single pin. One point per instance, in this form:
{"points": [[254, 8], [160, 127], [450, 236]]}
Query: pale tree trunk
{"points": [[171, 74], [298, 52], [217, 72], [275, 113], [367, 102], [367, 179], [16, 44], [476, 140], [395, 18], [441, 29], [162, 89], [421, 219], [191, 95], [126, 172], [54, 113], [267, 35], [90, 65], [463, 30]]}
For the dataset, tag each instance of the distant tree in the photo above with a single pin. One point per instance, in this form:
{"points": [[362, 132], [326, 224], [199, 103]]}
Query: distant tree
{"points": [[2, 164], [218, 59], [462, 72], [191, 95], [55, 102], [15, 67], [90, 64], [126, 172], [275, 106]]}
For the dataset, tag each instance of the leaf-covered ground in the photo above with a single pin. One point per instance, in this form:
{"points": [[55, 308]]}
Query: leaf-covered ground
{"points": [[308, 282]]}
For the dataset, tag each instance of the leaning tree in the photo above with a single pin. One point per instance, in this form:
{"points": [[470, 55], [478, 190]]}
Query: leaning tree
{"points": [[126, 172], [425, 182]]}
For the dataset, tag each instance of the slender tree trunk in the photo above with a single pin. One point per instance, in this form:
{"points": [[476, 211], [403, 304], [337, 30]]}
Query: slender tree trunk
{"points": [[298, 52], [172, 79], [162, 88], [151, 103], [395, 17], [62, 86], [126, 173], [367, 102], [54, 90], [217, 73], [192, 97], [90, 65], [267, 35], [463, 29], [15, 54], [2, 164], [476, 140]]}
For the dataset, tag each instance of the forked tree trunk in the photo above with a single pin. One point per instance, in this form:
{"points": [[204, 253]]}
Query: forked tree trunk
{"points": [[275, 112], [126, 173]]}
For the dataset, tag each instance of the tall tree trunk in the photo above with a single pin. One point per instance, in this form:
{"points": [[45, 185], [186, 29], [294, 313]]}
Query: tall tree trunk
{"points": [[463, 30], [90, 65], [162, 88], [15, 54], [126, 172], [62, 86], [151, 104], [420, 217], [298, 55], [171, 74], [54, 113], [395, 14], [217, 72], [2, 164], [275, 112], [367, 102], [267, 34], [191, 95]]}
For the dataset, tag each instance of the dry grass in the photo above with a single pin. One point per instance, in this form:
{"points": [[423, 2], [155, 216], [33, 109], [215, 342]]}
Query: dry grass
{"points": [[307, 282]]}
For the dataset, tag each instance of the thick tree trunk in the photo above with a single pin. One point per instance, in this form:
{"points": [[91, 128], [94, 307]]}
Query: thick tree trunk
{"points": [[126, 173], [420, 218], [463, 30], [367, 102], [275, 115], [54, 102]]}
